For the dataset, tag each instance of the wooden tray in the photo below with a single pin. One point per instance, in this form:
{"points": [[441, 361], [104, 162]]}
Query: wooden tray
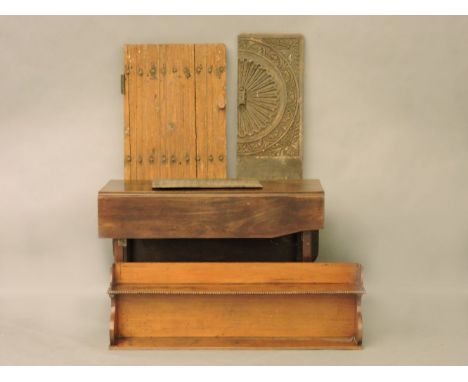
{"points": [[235, 305], [220, 184]]}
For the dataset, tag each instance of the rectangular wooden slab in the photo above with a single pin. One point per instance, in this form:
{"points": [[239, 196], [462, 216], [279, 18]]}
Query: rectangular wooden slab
{"points": [[134, 210], [174, 111], [205, 183], [269, 106], [232, 305]]}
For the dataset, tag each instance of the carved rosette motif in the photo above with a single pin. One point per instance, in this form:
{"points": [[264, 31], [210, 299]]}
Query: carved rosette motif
{"points": [[269, 96]]}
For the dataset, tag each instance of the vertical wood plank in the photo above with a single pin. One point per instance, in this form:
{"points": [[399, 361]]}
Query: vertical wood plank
{"points": [[172, 105], [358, 336], [150, 146], [201, 100], [140, 110], [127, 139], [119, 251], [306, 241], [178, 126], [217, 130], [309, 245], [132, 107], [186, 151], [210, 62], [144, 105], [314, 245], [162, 120], [113, 335]]}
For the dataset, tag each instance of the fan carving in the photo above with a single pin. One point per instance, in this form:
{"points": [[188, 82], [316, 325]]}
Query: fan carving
{"points": [[258, 99], [269, 97]]}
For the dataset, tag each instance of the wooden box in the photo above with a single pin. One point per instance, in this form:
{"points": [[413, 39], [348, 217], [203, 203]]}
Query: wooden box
{"points": [[236, 305]]}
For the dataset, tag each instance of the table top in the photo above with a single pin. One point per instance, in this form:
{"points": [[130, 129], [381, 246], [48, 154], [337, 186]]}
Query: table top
{"points": [[134, 210]]}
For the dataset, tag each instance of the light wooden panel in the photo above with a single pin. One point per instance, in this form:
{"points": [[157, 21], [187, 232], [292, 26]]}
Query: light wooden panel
{"points": [[128, 63], [236, 273], [212, 343], [236, 316], [210, 69], [174, 114]]}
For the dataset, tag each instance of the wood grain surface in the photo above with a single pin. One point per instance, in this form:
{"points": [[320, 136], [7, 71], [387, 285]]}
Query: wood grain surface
{"points": [[210, 75], [278, 209], [235, 305], [235, 343], [174, 114], [269, 106], [236, 315], [237, 273]]}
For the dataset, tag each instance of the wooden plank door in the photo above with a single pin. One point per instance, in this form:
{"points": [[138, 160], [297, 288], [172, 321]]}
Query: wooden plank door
{"points": [[174, 111]]}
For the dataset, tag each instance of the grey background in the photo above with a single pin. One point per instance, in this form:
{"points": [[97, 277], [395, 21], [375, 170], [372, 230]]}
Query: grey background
{"points": [[386, 131]]}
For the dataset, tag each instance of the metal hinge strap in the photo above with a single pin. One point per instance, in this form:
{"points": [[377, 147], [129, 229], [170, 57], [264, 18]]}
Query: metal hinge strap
{"points": [[122, 83]]}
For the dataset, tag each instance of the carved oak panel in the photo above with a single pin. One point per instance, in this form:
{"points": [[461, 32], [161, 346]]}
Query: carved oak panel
{"points": [[269, 135]]}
